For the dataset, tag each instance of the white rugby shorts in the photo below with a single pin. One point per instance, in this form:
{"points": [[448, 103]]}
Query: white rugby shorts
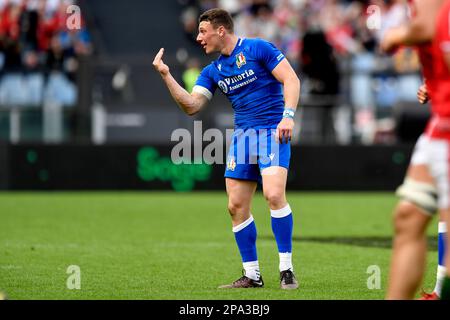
{"points": [[434, 153]]}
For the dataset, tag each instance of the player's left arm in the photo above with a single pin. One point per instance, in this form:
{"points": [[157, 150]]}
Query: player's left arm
{"points": [[285, 74]]}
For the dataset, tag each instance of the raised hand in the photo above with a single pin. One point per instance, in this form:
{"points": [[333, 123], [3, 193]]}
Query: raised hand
{"points": [[159, 64]]}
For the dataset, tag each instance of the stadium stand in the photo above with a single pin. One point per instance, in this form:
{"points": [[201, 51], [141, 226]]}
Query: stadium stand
{"points": [[39, 55], [104, 77]]}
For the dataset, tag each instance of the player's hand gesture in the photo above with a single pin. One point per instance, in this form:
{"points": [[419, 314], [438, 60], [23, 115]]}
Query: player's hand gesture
{"points": [[159, 65], [284, 130], [422, 94]]}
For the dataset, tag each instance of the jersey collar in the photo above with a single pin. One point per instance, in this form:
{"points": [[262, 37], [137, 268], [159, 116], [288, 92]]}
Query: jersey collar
{"points": [[233, 53]]}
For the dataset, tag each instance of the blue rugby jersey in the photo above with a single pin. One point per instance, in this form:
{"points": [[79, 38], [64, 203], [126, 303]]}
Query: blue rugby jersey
{"points": [[245, 77]]}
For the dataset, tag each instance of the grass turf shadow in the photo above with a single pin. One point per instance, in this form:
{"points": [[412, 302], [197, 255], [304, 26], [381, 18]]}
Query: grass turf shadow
{"points": [[372, 242]]}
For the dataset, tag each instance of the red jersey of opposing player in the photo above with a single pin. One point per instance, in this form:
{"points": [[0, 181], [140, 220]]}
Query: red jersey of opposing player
{"points": [[437, 75]]}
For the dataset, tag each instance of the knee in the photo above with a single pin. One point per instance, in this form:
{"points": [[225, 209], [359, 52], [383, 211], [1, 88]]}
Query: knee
{"points": [[401, 213], [407, 219], [235, 207], [275, 198]]}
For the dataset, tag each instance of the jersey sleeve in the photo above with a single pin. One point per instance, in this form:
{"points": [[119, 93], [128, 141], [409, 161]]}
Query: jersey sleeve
{"points": [[205, 84], [267, 54]]}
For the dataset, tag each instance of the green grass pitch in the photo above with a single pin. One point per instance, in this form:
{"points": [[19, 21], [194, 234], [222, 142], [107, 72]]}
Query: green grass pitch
{"points": [[148, 245]]}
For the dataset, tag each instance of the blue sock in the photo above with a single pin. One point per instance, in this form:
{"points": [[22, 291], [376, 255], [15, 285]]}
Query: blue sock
{"points": [[245, 235], [441, 270], [441, 242], [282, 225]]}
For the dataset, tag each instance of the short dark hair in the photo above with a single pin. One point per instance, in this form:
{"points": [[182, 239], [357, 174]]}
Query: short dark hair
{"points": [[218, 17]]}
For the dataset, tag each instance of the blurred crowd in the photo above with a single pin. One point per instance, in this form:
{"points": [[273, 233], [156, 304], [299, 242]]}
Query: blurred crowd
{"points": [[39, 53], [346, 23], [329, 43]]}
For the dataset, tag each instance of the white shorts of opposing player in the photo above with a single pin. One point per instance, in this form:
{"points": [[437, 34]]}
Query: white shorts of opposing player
{"points": [[435, 154]]}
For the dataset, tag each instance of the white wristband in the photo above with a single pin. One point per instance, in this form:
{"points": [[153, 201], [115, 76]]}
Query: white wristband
{"points": [[288, 113]]}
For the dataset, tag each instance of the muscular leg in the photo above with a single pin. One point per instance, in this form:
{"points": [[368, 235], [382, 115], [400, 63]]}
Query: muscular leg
{"points": [[240, 194], [274, 185], [274, 188], [409, 247]]}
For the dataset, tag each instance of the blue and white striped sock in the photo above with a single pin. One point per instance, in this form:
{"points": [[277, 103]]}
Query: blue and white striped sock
{"points": [[245, 235], [282, 225]]}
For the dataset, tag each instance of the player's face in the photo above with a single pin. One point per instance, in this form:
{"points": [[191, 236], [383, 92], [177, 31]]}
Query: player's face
{"points": [[208, 37]]}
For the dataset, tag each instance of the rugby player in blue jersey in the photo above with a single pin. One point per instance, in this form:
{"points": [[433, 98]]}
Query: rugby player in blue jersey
{"points": [[264, 92]]}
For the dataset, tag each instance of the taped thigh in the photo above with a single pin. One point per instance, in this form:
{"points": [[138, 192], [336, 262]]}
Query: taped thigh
{"points": [[424, 195]]}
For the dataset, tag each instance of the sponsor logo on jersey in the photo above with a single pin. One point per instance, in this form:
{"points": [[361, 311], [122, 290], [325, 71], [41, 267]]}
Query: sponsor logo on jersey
{"points": [[238, 81], [240, 59], [223, 86]]}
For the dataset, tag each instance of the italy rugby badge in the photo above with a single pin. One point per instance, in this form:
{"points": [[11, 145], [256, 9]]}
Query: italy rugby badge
{"points": [[240, 60]]}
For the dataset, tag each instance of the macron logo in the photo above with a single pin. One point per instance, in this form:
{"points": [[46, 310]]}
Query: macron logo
{"points": [[271, 156], [219, 67]]}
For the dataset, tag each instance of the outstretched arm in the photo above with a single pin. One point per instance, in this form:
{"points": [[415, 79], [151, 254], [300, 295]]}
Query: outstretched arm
{"points": [[190, 103], [284, 73]]}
